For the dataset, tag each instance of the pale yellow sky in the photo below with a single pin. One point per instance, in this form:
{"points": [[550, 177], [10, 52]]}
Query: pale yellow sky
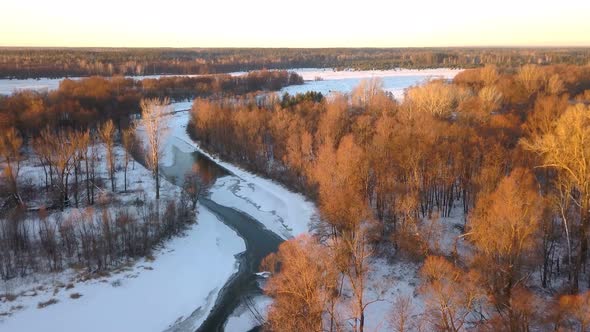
{"points": [[296, 23]]}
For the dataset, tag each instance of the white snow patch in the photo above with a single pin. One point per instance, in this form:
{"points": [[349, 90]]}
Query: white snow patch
{"points": [[245, 318]]}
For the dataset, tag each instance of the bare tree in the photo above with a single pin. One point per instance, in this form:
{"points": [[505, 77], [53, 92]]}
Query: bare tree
{"points": [[531, 77], [436, 97], [450, 294], [355, 247], [491, 98], [401, 320], [566, 148], [194, 186], [153, 114], [128, 143], [10, 145], [81, 140], [555, 85], [303, 279], [107, 135], [366, 90], [64, 150], [505, 228], [489, 75], [43, 149]]}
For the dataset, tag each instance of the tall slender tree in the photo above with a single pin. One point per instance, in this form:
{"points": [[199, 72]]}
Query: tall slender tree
{"points": [[154, 121], [107, 135]]}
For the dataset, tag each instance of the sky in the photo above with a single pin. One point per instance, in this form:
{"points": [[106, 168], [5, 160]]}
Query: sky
{"points": [[297, 23]]}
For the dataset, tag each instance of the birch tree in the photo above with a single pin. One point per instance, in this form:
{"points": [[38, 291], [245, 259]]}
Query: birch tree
{"points": [[107, 135], [154, 121]]}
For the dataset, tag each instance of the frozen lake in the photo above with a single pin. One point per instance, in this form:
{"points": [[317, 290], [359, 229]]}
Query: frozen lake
{"points": [[321, 80]]}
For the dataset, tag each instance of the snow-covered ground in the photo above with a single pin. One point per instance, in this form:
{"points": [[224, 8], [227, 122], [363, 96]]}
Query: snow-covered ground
{"points": [[149, 296], [245, 317], [396, 81]]}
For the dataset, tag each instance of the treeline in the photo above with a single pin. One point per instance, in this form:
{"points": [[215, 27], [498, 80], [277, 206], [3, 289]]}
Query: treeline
{"points": [[49, 62], [84, 103], [508, 148], [95, 239]]}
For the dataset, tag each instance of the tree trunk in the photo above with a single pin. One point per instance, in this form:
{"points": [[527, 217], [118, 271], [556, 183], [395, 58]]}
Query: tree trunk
{"points": [[157, 171], [76, 166], [585, 221], [88, 192]]}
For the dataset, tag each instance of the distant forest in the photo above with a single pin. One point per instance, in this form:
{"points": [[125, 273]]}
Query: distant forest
{"points": [[53, 62], [85, 103]]}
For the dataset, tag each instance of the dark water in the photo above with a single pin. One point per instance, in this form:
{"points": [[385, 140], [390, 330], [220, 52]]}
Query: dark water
{"points": [[188, 162], [259, 241]]}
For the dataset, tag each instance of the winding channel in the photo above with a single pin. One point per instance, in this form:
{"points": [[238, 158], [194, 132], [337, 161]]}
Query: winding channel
{"points": [[259, 241]]}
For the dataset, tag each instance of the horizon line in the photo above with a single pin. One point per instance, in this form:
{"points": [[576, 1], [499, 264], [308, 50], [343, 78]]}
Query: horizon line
{"points": [[301, 47]]}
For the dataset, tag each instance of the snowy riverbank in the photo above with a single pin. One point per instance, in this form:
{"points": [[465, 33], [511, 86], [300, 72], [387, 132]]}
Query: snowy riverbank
{"points": [[182, 280], [149, 296]]}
